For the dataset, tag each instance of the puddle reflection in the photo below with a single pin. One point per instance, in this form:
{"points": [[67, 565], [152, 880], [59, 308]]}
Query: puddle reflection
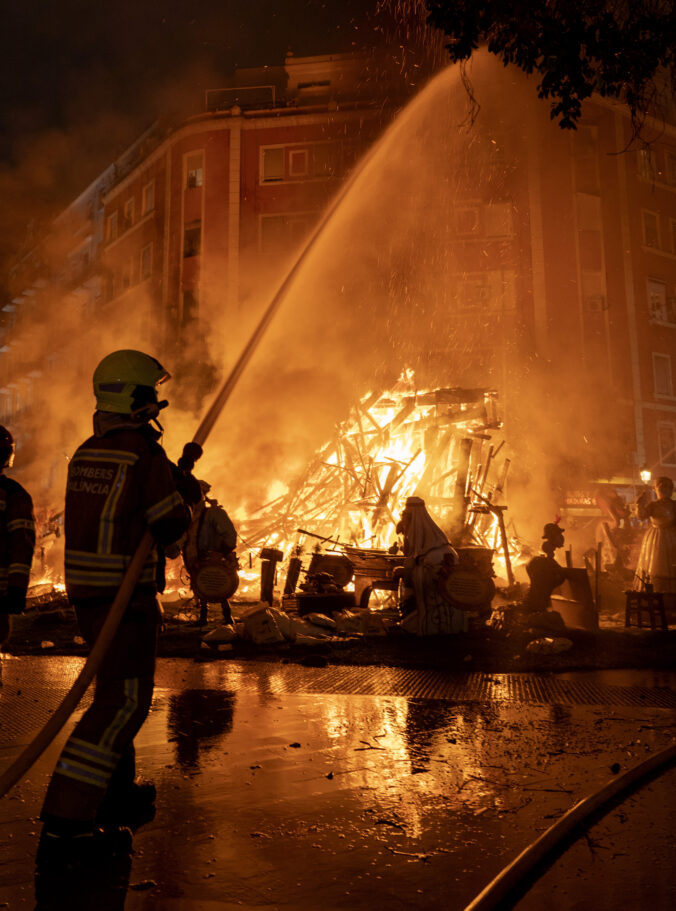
{"points": [[197, 721]]}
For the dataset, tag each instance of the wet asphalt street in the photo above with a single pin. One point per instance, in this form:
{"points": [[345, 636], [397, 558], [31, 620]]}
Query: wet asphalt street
{"points": [[288, 787]]}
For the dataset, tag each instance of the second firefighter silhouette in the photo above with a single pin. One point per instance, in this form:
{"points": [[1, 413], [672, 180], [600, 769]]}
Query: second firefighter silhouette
{"points": [[17, 539], [209, 556]]}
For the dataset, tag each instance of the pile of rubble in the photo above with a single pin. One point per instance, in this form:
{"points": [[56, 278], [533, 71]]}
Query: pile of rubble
{"points": [[264, 625]]}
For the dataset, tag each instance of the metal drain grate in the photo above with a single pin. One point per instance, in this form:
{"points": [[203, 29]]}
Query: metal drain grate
{"points": [[27, 700], [469, 687], [21, 716]]}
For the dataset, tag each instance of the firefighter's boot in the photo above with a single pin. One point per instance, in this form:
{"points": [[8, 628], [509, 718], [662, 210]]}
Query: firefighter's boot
{"points": [[132, 806], [74, 871], [71, 853]]}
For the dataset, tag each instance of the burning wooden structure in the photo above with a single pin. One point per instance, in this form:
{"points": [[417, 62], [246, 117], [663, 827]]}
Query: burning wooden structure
{"points": [[439, 444]]}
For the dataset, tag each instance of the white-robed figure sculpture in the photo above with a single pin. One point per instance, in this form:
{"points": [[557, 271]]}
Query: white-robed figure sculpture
{"points": [[426, 548], [656, 564]]}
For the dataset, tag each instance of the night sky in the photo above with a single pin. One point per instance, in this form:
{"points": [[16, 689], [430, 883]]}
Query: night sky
{"points": [[67, 62], [80, 80]]}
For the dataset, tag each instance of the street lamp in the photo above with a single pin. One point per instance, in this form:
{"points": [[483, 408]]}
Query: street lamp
{"points": [[645, 474]]}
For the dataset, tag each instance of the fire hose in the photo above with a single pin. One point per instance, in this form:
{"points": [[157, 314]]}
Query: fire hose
{"points": [[34, 750], [523, 866]]}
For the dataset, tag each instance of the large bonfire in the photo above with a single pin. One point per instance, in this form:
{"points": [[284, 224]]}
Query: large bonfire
{"points": [[440, 444]]}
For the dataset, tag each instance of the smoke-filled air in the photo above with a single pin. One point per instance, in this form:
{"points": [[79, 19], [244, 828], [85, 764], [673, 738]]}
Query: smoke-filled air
{"points": [[398, 279]]}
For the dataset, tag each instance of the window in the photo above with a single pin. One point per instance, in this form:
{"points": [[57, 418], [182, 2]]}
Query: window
{"points": [[662, 375], [190, 307], [593, 288], [298, 163], [111, 227], [194, 170], [325, 159], [474, 295], [588, 207], [318, 161], [128, 274], [498, 219], [651, 229], [128, 214], [146, 262], [109, 291], [666, 441], [272, 164], [647, 165], [192, 240], [148, 198], [585, 159], [657, 300], [671, 168]]}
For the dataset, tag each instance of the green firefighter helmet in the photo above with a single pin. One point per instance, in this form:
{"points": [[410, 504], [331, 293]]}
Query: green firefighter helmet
{"points": [[125, 383]]}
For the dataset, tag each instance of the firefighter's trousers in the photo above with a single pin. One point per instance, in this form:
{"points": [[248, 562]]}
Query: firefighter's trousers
{"points": [[100, 751]]}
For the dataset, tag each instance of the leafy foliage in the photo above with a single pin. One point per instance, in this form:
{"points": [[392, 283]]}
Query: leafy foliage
{"points": [[619, 48]]}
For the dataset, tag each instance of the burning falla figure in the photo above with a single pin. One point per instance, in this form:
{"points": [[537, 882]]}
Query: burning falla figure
{"points": [[209, 556], [426, 551], [657, 560]]}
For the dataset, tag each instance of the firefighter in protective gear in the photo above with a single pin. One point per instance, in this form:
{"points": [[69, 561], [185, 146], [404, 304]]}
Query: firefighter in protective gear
{"points": [[120, 483], [17, 539]]}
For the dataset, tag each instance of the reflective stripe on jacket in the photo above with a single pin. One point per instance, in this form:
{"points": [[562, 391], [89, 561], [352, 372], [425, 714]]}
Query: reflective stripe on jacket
{"points": [[118, 484], [17, 535]]}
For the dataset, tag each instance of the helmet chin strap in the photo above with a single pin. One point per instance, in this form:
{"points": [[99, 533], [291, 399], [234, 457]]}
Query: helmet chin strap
{"points": [[149, 412]]}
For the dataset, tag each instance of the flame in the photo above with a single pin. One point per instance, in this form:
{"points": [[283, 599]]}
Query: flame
{"points": [[399, 443]]}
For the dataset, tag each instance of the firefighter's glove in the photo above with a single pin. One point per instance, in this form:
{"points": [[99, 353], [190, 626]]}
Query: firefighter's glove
{"points": [[14, 601], [191, 453], [172, 551]]}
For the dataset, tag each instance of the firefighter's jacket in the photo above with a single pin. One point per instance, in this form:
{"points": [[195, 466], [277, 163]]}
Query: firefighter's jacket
{"points": [[17, 542], [119, 484]]}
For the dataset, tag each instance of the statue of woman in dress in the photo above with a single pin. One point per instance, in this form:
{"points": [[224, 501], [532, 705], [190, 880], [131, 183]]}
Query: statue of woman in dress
{"points": [[426, 548], [657, 559]]}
